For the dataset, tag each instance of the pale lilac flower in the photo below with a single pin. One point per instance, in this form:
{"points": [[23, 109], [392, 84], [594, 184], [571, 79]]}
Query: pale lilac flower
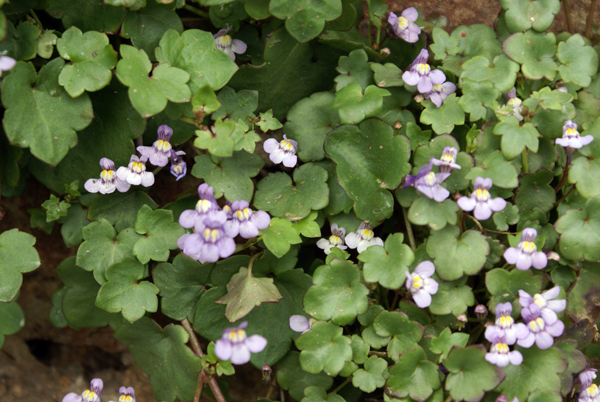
{"points": [[284, 151], [421, 75], [210, 243], [548, 306], [236, 346], [300, 323], [481, 201], [127, 394], [587, 377], [6, 63], [135, 173], [194, 218], [540, 331], [229, 46], [178, 165], [337, 239], [160, 151], [503, 398], [590, 394], [90, 395], [501, 355], [420, 284], [516, 104], [428, 182], [526, 254], [245, 221], [439, 92], [505, 326], [447, 163], [404, 26], [571, 138], [108, 182], [363, 238]]}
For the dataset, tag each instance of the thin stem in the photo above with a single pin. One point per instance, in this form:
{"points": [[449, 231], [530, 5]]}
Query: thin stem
{"points": [[214, 387], [246, 245], [199, 387], [376, 353], [396, 294], [369, 31], [189, 120], [383, 297], [342, 385], [409, 231], [481, 229], [139, 141], [568, 16], [37, 20], [590, 20], [196, 11], [564, 196], [563, 179], [525, 161], [254, 257]]}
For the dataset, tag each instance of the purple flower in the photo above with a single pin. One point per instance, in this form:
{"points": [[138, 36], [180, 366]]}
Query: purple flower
{"points": [[127, 395], [160, 151], [516, 104], [481, 200], [545, 302], [420, 74], [586, 377], [428, 182], [135, 173], [526, 254], [420, 284], [229, 46], [210, 243], [590, 394], [404, 26], [178, 165], [109, 181], [90, 395], [501, 355], [505, 326], [439, 92], [447, 163], [246, 222], [300, 323], [6, 63], [191, 218], [236, 346], [284, 151], [540, 331], [363, 238], [571, 138], [337, 239], [503, 398]]}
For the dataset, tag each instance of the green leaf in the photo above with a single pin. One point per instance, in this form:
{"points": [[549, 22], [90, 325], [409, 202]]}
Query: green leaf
{"points": [[387, 75], [267, 122], [120, 209], [181, 284], [337, 293], [244, 292], [277, 195], [218, 139], [87, 15], [413, 376], [149, 95], [538, 372], [307, 227], [318, 394], [443, 118], [550, 99], [443, 343], [353, 106], [535, 191], [12, 319], [535, 52], [72, 225], [405, 333], [146, 26], [279, 236], [231, 176], [372, 376], [43, 118], [292, 378], [456, 255], [383, 160], [162, 353], [470, 375], [579, 232], [79, 298], [516, 137], [504, 285], [523, 15], [354, 68], [204, 102], [305, 19], [502, 172], [17, 256], [338, 199], [161, 234], [308, 122], [579, 62], [194, 51], [21, 42], [92, 59], [584, 174], [45, 44], [452, 298], [583, 299], [577, 362], [425, 211], [55, 208], [444, 44], [387, 266], [324, 348], [124, 292], [236, 105]]}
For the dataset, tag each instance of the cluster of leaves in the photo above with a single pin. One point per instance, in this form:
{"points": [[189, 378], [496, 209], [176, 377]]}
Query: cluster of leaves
{"points": [[94, 76]]}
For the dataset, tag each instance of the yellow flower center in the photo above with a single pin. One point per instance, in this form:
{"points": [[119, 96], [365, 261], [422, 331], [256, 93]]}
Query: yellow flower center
{"points": [[211, 235], [89, 395], [539, 300], [367, 234], [125, 398], [287, 146], [203, 206], [536, 325], [417, 282], [447, 158], [482, 195], [423, 69], [163, 146], [223, 41], [107, 175], [430, 179], [505, 321], [529, 247], [137, 167], [333, 239], [572, 133], [237, 336], [402, 23], [592, 390], [501, 348], [244, 214]]}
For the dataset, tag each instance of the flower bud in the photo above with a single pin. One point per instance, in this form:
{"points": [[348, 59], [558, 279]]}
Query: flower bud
{"points": [[385, 52], [481, 312], [461, 321], [266, 373]]}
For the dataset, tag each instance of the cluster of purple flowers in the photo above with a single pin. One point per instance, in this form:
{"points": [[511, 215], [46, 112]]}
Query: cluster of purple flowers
{"points": [[214, 228], [589, 390], [431, 83], [541, 326], [93, 394], [135, 172], [362, 239], [236, 346]]}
